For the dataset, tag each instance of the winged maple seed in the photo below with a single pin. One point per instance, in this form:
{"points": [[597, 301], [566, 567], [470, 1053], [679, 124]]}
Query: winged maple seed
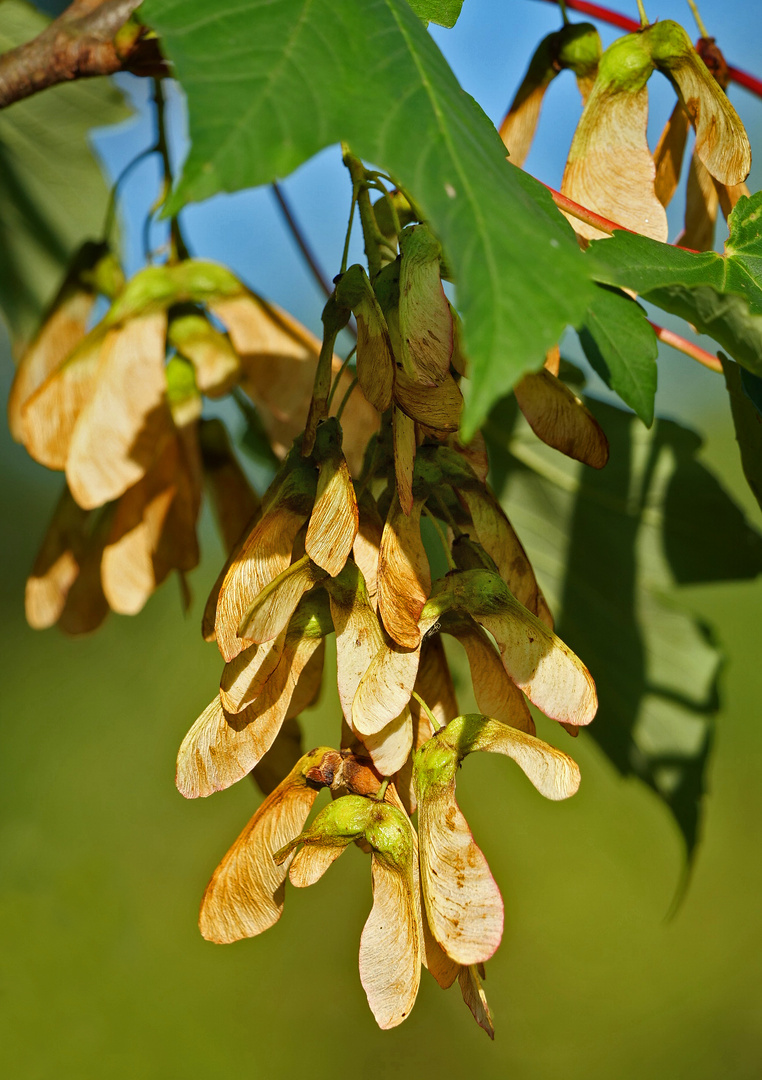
{"points": [[610, 169], [333, 547]]}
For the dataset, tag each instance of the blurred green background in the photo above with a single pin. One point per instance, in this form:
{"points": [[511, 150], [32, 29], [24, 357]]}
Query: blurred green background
{"points": [[102, 863]]}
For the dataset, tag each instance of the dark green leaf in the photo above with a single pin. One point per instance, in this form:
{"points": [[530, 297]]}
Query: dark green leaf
{"points": [[621, 346], [748, 424], [610, 549], [752, 385], [443, 12], [271, 83], [52, 193], [644, 265]]}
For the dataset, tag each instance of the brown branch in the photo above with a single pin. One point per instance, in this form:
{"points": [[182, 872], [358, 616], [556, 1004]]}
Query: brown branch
{"points": [[92, 37]]}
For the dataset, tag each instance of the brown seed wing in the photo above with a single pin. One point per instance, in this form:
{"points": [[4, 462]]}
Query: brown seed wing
{"points": [[463, 903], [220, 748], [271, 610], [668, 155], [264, 554], [245, 895], [390, 964], [496, 694], [610, 169], [560, 419], [334, 519], [49, 415], [473, 994], [57, 564], [552, 772], [122, 427], [404, 576], [59, 336]]}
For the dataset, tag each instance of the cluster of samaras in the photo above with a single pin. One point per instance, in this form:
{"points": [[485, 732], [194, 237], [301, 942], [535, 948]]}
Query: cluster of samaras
{"points": [[118, 409], [329, 554], [610, 168]]}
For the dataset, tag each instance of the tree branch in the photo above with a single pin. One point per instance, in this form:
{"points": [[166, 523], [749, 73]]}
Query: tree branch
{"points": [[92, 37]]}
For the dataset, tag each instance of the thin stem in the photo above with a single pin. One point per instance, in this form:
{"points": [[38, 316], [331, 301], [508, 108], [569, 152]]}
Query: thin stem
{"points": [[371, 233], [301, 240], [382, 789], [339, 373], [564, 12], [379, 183], [697, 17], [178, 249], [346, 398], [447, 516], [348, 235], [432, 719], [590, 217], [445, 546], [669, 337], [108, 224], [597, 11], [643, 16]]}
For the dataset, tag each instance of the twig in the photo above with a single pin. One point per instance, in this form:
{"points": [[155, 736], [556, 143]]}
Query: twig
{"points": [[598, 11], [301, 241], [684, 346], [88, 39]]}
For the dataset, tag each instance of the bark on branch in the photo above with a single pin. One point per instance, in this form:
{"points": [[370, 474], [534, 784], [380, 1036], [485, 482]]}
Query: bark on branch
{"points": [[92, 37]]}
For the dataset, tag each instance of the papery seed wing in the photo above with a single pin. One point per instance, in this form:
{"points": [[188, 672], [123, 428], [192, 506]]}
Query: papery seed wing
{"points": [[463, 903], [273, 607], [244, 678], [390, 965], [60, 334], [312, 861], [473, 994], [669, 153], [367, 545], [86, 606], [404, 437], [404, 576], [425, 321], [438, 407], [245, 895], [48, 417], [278, 358], [375, 361], [390, 747], [57, 564], [127, 571], [701, 203], [519, 124], [540, 664], [215, 361], [308, 684], [384, 689], [610, 169], [495, 692], [334, 519], [475, 454], [221, 748], [552, 772], [265, 553], [721, 140], [358, 632], [497, 536], [434, 684], [560, 419], [122, 427]]}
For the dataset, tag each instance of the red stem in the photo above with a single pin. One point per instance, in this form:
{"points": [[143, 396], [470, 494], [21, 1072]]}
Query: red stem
{"points": [[669, 337], [582, 213], [597, 11]]}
